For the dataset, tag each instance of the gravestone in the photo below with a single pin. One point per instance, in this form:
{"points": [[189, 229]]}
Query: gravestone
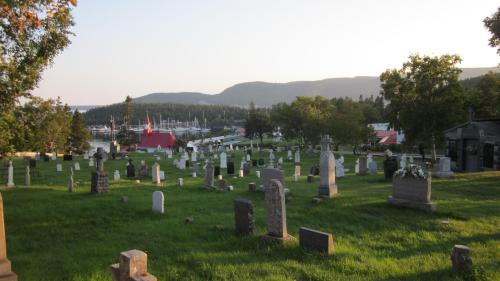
{"points": [[327, 185], [390, 166], [158, 202], [297, 157], [133, 266], [254, 163], [54, 156], [116, 175], [289, 155], [155, 173], [216, 171], [271, 159], [271, 174], [402, 161], [77, 166], [99, 182], [209, 174], [223, 160], [444, 168], [339, 167], [10, 175], [314, 170], [257, 174], [32, 163], [59, 167], [27, 176], [193, 156], [244, 217], [86, 155], [412, 192], [297, 170], [91, 162], [372, 167], [246, 170], [143, 170], [71, 181], [460, 259], [248, 158], [276, 213], [130, 169], [162, 175], [363, 166], [6, 273], [230, 168], [67, 157], [261, 162], [182, 163], [316, 240]]}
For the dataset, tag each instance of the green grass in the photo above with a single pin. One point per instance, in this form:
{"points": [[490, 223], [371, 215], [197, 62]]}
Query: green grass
{"points": [[56, 235]]}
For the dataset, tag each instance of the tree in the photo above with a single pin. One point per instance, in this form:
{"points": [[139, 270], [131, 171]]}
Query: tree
{"points": [[32, 33], [493, 25], [80, 135], [257, 124], [127, 137], [425, 97], [128, 111], [484, 98]]}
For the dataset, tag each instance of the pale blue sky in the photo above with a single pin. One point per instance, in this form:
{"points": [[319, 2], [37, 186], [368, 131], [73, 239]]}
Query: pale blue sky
{"points": [[139, 47]]}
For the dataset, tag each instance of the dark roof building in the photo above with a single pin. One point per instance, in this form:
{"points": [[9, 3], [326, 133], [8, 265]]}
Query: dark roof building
{"points": [[474, 146]]}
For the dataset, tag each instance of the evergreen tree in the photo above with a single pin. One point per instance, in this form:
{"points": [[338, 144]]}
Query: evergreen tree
{"points": [[80, 135]]}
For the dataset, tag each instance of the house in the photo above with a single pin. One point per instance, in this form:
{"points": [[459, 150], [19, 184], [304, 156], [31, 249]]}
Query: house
{"points": [[151, 140], [385, 135], [474, 146]]}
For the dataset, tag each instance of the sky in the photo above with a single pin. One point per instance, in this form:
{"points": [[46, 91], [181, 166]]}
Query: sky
{"points": [[130, 47]]}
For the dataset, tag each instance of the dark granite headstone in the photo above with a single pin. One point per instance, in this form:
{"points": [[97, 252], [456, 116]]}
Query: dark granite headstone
{"points": [[249, 152], [316, 240], [67, 157], [244, 217], [217, 171], [130, 170], [230, 168], [254, 163], [32, 163], [314, 170], [261, 162], [246, 170], [390, 167]]}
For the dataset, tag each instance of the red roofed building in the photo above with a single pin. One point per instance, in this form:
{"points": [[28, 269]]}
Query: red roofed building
{"points": [[151, 140], [387, 137]]}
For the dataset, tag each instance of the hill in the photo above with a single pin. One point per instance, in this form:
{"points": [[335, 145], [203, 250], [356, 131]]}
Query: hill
{"points": [[267, 94]]}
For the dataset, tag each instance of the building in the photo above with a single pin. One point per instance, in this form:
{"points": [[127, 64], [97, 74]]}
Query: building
{"points": [[151, 140], [385, 135], [474, 146]]}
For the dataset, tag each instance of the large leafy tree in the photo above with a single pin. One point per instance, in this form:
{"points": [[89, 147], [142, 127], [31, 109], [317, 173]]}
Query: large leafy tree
{"points": [[258, 123], [424, 97], [493, 25], [32, 33], [484, 97], [80, 135]]}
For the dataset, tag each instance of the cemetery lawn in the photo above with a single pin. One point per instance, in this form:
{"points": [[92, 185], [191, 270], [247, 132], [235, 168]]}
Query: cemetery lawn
{"points": [[55, 235]]}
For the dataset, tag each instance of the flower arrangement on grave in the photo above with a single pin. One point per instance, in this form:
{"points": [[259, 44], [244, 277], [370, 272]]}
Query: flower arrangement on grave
{"points": [[411, 171]]}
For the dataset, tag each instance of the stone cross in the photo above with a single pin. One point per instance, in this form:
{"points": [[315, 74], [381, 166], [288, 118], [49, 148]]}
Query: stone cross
{"points": [[276, 210], [10, 176], [5, 268], [133, 266], [99, 155], [158, 202], [327, 185]]}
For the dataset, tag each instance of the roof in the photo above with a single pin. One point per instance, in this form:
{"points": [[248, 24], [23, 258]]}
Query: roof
{"points": [[156, 139], [490, 126], [387, 137]]}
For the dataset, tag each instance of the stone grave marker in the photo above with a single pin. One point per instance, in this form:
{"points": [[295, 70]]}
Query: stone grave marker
{"points": [[133, 266], [460, 259], [77, 166], [6, 273], [71, 181], [143, 170], [209, 174], [244, 217], [10, 175], [316, 240], [158, 202], [130, 169], [155, 173], [271, 174], [327, 185], [116, 175], [223, 160], [276, 213], [297, 157], [59, 167], [444, 168], [27, 176], [362, 165]]}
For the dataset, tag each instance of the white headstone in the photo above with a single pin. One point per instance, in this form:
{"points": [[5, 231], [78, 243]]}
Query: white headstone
{"points": [[219, 177], [10, 179], [289, 155], [116, 175], [297, 156], [59, 167], [372, 167], [54, 157], [241, 173], [257, 173], [158, 202], [444, 168], [249, 158], [77, 166], [231, 147], [356, 167], [223, 160], [193, 174], [339, 167], [91, 162], [193, 156], [180, 181], [86, 155], [182, 163], [162, 175]]}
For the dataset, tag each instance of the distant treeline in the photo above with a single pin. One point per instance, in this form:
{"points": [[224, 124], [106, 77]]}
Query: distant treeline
{"points": [[216, 115]]}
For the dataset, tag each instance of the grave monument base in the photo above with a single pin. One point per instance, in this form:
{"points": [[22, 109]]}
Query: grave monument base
{"points": [[6, 273], [426, 206], [267, 238], [328, 191], [99, 182]]}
